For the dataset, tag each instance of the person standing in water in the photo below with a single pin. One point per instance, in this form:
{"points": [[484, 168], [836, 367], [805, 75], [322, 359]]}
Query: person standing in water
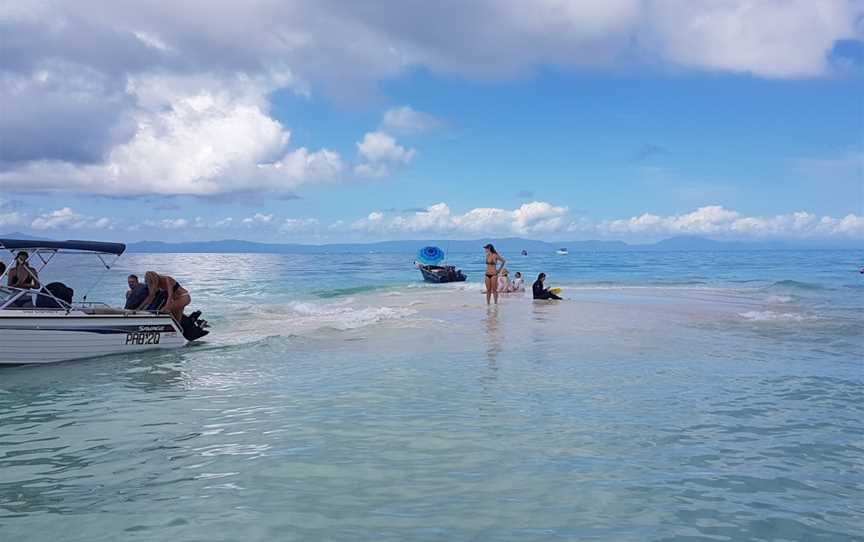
{"points": [[492, 270]]}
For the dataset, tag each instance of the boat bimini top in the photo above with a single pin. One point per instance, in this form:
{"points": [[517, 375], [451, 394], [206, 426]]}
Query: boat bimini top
{"points": [[107, 253]]}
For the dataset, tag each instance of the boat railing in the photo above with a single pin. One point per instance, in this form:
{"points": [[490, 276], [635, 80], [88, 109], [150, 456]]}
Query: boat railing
{"points": [[90, 305], [41, 298]]}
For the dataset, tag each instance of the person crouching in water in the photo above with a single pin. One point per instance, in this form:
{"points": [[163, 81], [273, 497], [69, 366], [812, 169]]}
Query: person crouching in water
{"points": [[517, 285], [540, 291], [503, 281], [178, 297]]}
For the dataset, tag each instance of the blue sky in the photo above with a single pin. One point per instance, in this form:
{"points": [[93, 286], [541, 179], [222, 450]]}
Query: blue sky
{"points": [[734, 140]]}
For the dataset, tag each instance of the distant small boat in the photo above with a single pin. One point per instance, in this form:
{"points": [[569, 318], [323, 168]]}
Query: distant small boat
{"points": [[562, 251], [429, 260]]}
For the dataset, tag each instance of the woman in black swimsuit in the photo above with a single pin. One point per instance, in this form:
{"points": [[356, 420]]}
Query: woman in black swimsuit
{"points": [[178, 297], [492, 269]]}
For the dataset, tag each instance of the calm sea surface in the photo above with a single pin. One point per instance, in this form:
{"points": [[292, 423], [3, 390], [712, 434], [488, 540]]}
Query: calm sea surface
{"points": [[671, 396]]}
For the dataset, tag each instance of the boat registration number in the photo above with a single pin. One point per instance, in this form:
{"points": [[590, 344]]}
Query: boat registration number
{"points": [[143, 337]]}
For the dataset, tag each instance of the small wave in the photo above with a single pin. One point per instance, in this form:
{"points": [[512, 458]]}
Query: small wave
{"points": [[773, 316], [339, 316], [340, 292], [794, 285], [780, 299], [300, 318]]}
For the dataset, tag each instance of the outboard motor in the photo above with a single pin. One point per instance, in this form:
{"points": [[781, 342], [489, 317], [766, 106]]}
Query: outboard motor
{"points": [[193, 327]]}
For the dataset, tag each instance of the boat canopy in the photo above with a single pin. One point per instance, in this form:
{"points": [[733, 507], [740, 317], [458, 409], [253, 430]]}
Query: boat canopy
{"points": [[430, 255], [95, 247]]}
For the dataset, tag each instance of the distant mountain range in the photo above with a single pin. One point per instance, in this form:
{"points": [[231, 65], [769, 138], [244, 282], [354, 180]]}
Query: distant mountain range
{"points": [[505, 245]]}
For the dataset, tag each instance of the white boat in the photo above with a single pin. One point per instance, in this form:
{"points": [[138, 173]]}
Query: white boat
{"points": [[38, 326], [562, 251]]}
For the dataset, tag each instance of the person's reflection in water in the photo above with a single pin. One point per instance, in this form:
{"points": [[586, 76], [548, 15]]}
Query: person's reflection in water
{"points": [[493, 344], [542, 315]]}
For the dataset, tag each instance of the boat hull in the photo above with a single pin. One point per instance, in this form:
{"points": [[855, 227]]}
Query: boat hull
{"points": [[440, 275], [41, 336]]}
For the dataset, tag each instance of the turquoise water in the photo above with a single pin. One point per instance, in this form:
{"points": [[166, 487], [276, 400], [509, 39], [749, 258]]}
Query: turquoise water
{"points": [[672, 396]]}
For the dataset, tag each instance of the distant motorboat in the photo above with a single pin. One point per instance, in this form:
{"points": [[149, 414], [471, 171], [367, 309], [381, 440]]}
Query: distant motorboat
{"points": [[562, 252], [429, 261], [440, 274]]}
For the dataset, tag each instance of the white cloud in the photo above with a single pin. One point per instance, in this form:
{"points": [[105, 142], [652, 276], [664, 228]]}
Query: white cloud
{"points": [[770, 38], [205, 140], [381, 147], [380, 152], [717, 221], [168, 223], [299, 225], [66, 218], [259, 218], [530, 218], [407, 120], [152, 40], [154, 99], [543, 219]]}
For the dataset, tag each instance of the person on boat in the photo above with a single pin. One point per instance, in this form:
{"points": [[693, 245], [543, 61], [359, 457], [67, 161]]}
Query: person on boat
{"points": [[492, 269], [22, 275], [177, 296], [132, 281], [136, 294], [517, 285], [504, 281], [539, 289]]}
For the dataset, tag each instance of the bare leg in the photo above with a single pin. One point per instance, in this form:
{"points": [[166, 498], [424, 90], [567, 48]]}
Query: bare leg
{"points": [[489, 282], [494, 282], [177, 305]]}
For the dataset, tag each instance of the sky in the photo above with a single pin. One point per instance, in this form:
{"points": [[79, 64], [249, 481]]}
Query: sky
{"points": [[321, 121]]}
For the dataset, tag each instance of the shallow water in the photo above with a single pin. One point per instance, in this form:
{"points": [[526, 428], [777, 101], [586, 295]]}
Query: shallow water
{"points": [[672, 396]]}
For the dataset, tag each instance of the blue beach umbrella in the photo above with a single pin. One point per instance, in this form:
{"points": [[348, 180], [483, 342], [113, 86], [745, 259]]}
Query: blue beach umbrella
{"points": [[430, 255]]}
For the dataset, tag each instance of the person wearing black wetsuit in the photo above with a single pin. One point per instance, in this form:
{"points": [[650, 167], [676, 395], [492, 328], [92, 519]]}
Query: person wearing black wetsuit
{"points": [[540, 292]]}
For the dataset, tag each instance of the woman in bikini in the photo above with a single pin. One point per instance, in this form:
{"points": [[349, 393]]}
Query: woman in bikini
{"points": [[178, 297], [492, 269]]}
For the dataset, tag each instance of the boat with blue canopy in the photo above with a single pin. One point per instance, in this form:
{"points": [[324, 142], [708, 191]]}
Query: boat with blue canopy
{"points": [[430, 260]]}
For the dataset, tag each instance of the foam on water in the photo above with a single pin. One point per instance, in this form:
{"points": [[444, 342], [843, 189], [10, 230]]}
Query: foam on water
{"points": [[773, 316], [308, 318]]}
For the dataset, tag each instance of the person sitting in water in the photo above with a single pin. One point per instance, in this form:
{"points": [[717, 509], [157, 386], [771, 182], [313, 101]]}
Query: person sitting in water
{"points": [[22, 275], [136, 294], [503, 281], [517, 285], [540, 291], [177, 298]]}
